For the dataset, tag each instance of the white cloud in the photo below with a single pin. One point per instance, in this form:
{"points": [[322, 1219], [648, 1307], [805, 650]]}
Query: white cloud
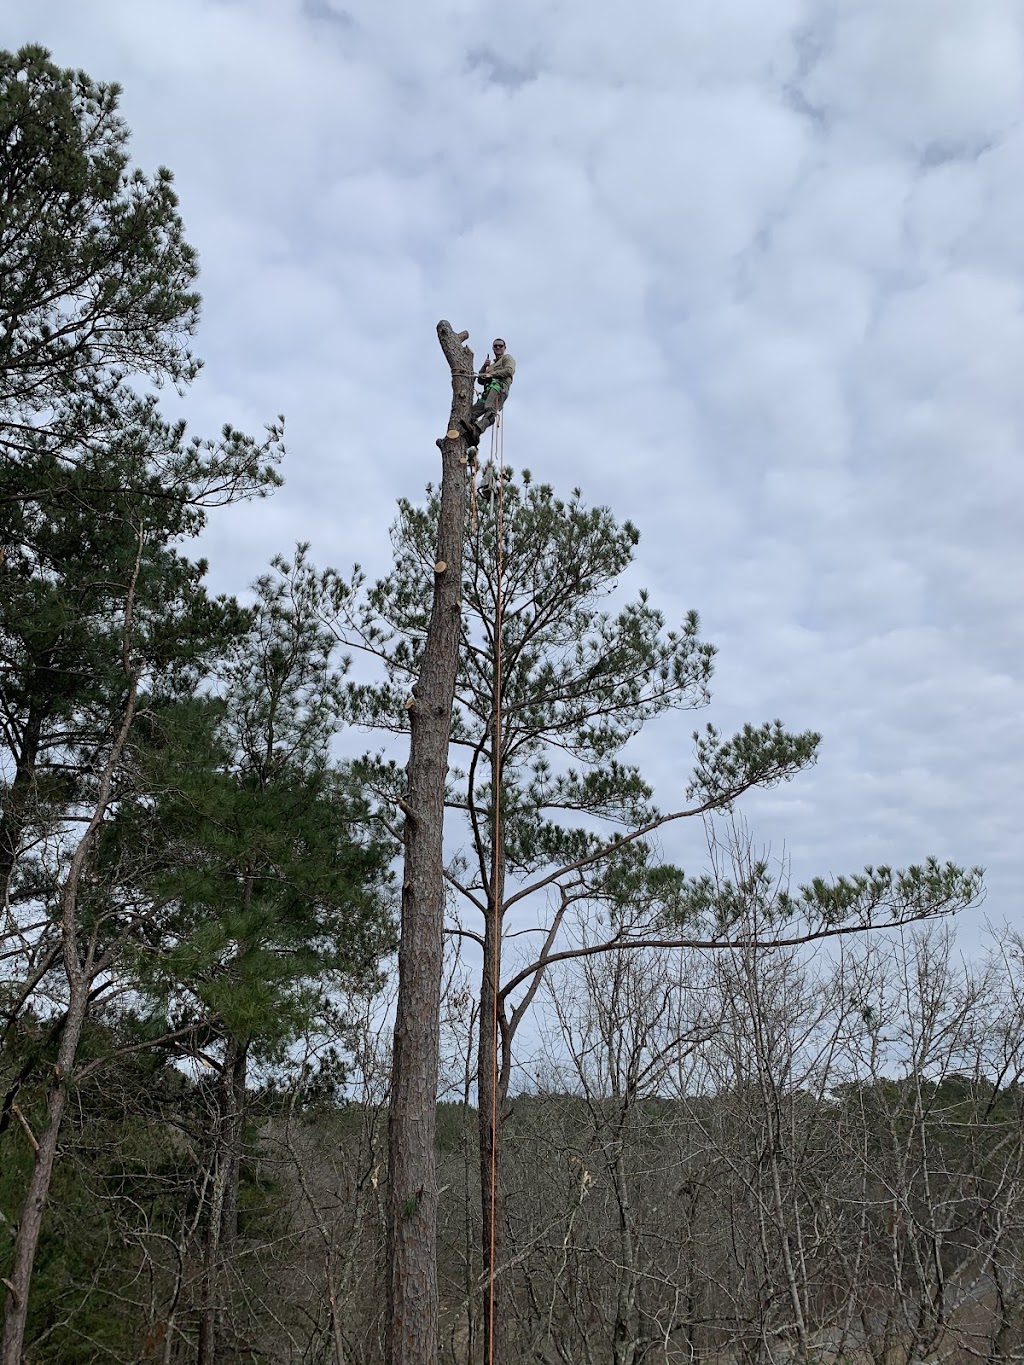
{"points": [[761, 267], [926, 75]]}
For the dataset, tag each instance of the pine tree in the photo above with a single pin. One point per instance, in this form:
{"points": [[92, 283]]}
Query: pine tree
{"points": [[96, 278], [578, 823], [101, 616], [275, 897]]}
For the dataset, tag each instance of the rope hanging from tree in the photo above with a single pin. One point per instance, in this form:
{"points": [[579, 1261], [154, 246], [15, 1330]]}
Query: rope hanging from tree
{"points": [[497, 456]]}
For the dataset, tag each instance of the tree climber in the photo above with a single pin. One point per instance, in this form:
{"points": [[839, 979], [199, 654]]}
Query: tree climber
{"points": [[496, 378]]}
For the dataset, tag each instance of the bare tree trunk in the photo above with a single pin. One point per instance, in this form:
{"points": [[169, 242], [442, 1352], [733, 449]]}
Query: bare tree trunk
{"points": [[492, 1094], [412, 1328], [222, 1227], [18, 798], [236, 1132], [30, 1225], [626, 1337], [81, 973], [206, 1353]]}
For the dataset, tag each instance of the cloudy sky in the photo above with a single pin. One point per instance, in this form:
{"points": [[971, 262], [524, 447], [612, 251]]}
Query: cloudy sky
{"points": [[761, 265]]}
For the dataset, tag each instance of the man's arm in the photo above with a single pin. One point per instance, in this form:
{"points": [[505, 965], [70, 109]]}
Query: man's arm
{"points": [[503, 369]]}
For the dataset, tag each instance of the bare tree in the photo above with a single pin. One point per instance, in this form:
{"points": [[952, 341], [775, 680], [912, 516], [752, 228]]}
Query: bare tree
{"points": [[631, 1023], [936, 1081], [412, 1173]]}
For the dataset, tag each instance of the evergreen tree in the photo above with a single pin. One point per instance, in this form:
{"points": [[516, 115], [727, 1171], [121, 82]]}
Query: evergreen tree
{"points": [[96, 278], [101, 617], [551, 697], [276, 899]]}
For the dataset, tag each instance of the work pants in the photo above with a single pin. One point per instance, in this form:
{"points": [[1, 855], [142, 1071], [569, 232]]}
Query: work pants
{"points": [[487, 407]]}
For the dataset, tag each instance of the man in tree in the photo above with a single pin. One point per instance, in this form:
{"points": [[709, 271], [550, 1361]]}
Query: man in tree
{"points": [[496, 377]]}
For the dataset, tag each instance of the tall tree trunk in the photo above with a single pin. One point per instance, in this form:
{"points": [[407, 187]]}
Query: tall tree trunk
{"points": [[81, 972], [492, 1093], [222, 1225], [412, 1328], [206, 1352], [14, 808], [626, 1336], [494, 1049], [31, 1222], [236, 1133]]}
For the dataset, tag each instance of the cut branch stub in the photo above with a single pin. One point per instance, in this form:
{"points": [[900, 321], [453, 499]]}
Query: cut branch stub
{"points": [[460, 362]]}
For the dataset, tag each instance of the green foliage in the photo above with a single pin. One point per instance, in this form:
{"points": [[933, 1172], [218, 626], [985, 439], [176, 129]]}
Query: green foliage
{"points": [[756, 904], [96, 600], [273, 892], [95, 275], [578, 682], [759, 756], [97, 490], [124, 1196], [225, 882]]}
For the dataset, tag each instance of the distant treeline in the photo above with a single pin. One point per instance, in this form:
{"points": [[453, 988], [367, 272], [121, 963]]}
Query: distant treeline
{"points": [[698, 1189]]}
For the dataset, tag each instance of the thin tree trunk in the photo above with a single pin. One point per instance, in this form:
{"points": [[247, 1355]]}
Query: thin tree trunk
{"points": [[80, 976], [31, 1221], [492, 1093], [412, 1327], [471, 1245], [236, 1131], [626, 1338], [222, 1225], [15, 808], [206, 1353]]}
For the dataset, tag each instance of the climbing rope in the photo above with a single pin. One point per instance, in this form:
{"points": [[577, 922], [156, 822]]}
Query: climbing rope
{"points": [[498, 461]]}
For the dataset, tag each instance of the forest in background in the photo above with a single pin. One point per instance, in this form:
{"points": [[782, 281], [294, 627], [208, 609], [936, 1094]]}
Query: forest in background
{"points": [[680, 1185]]}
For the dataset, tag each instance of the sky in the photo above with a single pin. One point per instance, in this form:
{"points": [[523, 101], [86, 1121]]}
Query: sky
{"points": [[761, 266]]}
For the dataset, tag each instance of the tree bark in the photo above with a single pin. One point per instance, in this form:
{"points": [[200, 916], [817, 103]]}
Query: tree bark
{"points": [[81, 973], [236, 1132], [206, 1352], [492, 1093], [222, 1227], [412, 1329], [31, 1222], [626, 1341], [15, 807]]}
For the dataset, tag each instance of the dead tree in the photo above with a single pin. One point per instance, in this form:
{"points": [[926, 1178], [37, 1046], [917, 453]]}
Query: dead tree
{"points": [[412, 1191]]}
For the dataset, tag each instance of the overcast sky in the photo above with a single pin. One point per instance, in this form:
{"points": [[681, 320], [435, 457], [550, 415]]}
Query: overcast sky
{"points": [[760, 263]]}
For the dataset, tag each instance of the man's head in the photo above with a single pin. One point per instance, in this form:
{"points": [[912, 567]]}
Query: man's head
{"points": [[498, 346]]}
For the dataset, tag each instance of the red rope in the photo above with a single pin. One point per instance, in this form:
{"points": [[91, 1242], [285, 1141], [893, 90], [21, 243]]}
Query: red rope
{"points": [[497, 440]]}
